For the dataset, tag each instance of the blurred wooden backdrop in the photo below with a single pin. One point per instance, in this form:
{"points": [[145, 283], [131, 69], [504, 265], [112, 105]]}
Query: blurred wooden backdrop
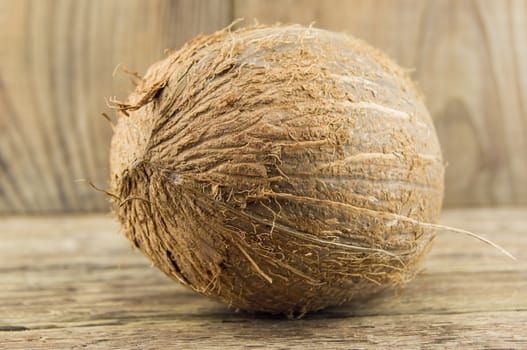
{"points": [[57, 59]]}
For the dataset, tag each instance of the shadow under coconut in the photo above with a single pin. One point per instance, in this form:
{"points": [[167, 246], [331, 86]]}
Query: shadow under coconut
{"points": [[186, 306], [179, 313], [267, 330], [209, 310], [370, 306]]}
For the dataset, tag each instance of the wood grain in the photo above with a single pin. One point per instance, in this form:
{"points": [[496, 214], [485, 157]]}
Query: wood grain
{"points": [[56, 64], [470, 58], [57, 59], [73, 282]]}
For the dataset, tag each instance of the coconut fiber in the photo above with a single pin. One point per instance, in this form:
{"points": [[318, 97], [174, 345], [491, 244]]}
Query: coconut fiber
{"points": [[280, 169]]}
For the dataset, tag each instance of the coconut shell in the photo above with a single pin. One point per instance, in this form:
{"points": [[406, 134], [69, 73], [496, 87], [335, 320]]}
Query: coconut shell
{"points": [[279, 169]]}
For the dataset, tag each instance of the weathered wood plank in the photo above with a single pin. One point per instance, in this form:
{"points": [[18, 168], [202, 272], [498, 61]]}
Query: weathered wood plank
{"points": [[56, 64], [57, 59], [470, 59], [496, 330], [74, 282]]}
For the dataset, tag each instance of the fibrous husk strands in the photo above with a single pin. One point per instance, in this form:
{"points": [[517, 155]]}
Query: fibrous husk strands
{"points": [[281, 169]]}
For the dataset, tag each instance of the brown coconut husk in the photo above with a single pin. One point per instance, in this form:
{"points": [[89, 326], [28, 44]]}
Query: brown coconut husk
{"points": [[280, 169]]}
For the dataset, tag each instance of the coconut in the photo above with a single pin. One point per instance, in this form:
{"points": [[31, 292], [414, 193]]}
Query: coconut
{"points": [[280, 169]]}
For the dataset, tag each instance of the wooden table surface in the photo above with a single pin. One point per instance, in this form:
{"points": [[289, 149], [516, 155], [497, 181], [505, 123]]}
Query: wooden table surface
{"points": [[74, 282]]}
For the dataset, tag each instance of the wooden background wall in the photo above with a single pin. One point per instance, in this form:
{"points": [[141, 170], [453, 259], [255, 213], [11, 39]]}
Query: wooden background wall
{"points": [[57, 59]]}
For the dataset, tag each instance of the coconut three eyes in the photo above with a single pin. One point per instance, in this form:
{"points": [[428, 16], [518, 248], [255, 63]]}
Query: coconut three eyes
{"points": [[280, 169]]}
